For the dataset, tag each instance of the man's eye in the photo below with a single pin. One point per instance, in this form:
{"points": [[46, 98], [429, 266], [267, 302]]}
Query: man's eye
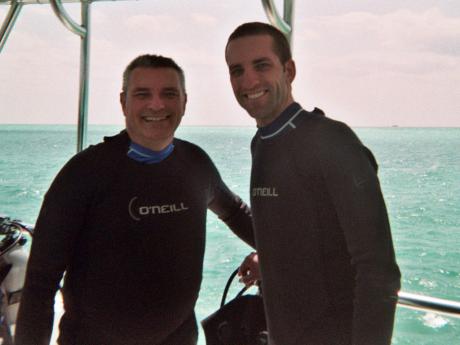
{"points": [[170, 94], [236, 72], [262, 66], [141, 94]]}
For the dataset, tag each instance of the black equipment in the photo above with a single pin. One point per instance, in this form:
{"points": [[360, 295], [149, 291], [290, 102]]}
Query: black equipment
{"points": [[239, 322]]}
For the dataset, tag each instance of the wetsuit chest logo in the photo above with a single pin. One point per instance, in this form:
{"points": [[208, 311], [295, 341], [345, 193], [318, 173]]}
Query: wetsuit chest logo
{"points": [[264, 192], [137, 211]]}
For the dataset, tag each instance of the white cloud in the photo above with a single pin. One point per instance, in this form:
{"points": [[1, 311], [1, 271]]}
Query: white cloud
{"points": [[204, 19], [397, 67], [400, 30], [159, 23], [379, 68]]}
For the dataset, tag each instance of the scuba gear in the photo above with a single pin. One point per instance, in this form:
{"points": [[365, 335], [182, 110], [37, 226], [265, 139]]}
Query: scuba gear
{"points": [[240, 321], [13, 263]]}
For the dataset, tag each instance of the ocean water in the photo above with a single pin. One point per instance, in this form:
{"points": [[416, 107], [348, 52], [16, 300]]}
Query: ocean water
{"points": [[419, 170]]}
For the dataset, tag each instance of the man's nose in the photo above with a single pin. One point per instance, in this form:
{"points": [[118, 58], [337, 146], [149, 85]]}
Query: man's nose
{"points": [[156, 103], [250, 79]]}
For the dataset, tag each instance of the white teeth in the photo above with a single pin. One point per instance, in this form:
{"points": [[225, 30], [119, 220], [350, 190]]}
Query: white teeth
{"points": [[150, 118], [255, 95]]}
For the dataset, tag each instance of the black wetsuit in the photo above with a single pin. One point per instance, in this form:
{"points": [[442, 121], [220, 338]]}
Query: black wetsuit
{"points": [[131, 239], [329, 274]]}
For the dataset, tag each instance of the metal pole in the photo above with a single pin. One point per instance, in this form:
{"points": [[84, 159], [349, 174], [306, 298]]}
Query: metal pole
{"points": [[64, 17], [429, 304], [283, 24], [83, 31], [84, 79], [8, 23], [288, 16]]}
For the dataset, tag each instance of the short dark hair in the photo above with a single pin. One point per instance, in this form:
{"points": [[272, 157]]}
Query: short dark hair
{"points": [[152, 61], [281, 45]]}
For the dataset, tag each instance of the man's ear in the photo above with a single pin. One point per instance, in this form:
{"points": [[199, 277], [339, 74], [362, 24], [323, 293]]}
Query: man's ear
{"points": [[123, 102], [290, 70]]}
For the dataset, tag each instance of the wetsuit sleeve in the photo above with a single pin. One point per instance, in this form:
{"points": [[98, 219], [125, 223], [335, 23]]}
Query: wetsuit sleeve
{"points": [[231, 209], [350, 173], [61, 217]]}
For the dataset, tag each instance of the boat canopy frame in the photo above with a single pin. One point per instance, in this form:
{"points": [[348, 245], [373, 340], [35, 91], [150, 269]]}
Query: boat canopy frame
{"points": [[284, 23]]}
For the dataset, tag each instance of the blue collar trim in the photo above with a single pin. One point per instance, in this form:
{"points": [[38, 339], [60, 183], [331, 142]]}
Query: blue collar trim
{"points": [[281, 122], [144, 155]]}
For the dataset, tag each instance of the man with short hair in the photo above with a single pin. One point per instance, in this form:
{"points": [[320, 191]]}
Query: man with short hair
{"points": [[125, 219], [323, 240]]}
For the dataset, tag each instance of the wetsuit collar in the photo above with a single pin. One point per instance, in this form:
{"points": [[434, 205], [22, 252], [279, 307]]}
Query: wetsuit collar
{"points": [[144, 155], [281, 122]]}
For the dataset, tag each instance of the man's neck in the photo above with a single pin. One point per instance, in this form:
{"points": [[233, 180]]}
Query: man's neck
{"points": [[264, 122]]}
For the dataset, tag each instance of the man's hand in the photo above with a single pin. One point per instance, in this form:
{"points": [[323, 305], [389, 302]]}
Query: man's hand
{"points": [[249, 270]]}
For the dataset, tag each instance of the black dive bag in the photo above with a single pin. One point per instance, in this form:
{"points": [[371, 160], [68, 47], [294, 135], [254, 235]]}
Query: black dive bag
{"points": [[240, 321]]}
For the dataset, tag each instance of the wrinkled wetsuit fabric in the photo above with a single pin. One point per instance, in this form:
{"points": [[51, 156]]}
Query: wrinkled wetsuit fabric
{"points": [[131, 239], [329, 275]]}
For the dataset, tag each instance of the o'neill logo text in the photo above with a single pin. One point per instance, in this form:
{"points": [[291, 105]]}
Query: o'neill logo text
{"points": [[264, 191], [136, 212]]}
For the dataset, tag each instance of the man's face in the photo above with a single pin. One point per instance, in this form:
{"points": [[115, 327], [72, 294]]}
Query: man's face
{"points": [[261, 84], [153, 105]]}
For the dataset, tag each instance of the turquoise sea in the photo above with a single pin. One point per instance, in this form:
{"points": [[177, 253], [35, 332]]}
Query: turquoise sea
{"points": [[420, 178]]}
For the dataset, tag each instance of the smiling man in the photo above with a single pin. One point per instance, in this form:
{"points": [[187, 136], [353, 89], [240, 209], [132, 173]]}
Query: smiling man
{"points": [[324, 246], [264, 90], [153, 105], [125, 220]]}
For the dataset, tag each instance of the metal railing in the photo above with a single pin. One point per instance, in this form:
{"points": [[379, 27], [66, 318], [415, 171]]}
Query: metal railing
{"points": [[429, 304], [286, 23], [8, 23], [82, 30]]}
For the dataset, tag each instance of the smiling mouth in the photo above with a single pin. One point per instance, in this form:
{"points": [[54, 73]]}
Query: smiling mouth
{"points": [[154, 118], [255, 95]]}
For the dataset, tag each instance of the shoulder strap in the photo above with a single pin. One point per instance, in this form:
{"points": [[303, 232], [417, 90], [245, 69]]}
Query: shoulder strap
{"points": [[227, 286]]}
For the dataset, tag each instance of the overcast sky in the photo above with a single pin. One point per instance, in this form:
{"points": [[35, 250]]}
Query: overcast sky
{"points": [[368, 63]]}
